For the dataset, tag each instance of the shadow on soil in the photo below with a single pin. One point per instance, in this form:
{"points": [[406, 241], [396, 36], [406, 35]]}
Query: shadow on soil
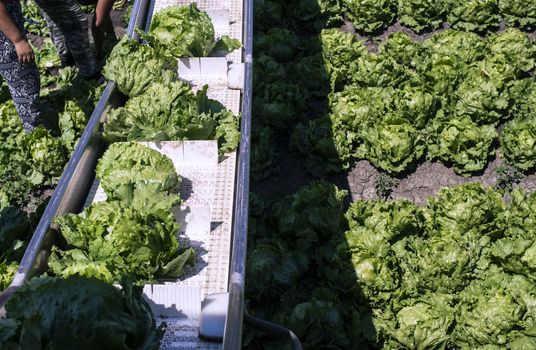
{"points": [[299, 270]]}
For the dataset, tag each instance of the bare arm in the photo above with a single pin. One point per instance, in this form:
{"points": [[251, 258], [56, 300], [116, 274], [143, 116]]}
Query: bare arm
{"points": [[102, 23], [102, 10], [10, 30]]}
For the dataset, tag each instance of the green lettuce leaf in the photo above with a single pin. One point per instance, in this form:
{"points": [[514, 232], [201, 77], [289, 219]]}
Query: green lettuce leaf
{"points": [[182, 31], [280, 104], [268, 13], [402, 49], [173, 112], [370, 15], [518, 142], [379, 71], [47, 156], [516, 252], [72, 122], [134, 67], [263, 153], [317, 14], [375, 228], [118, 239], [466, 207], [414, 103], [322, 147], [445, 262], [14, 232], [279, 43], [421, 14], [131, 163], [493, 309], [484, 95], [319, 321], [266, 71], [520, 12], [46, 56], [311, 73], [340, 51], [464, 46], [421, 323], [392, 145], [473, 15], [514, 47], [7, 273], [462, 142], [77, 313]]}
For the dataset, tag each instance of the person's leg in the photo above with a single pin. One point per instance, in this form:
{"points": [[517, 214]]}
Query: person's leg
{"points": [[102, 24], [22, 79], [72, 22], [110, 27], [59, 41]]}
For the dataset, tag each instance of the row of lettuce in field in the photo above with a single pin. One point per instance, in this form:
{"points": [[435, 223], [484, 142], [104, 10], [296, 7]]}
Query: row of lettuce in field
{"points": [[160, 107], [78, 313], [456, 273], [31, 163], [131, 238], [444, 97], [373, 16]]}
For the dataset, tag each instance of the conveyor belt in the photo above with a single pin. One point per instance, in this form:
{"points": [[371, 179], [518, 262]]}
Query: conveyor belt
{"points": [[208, 189], [234, 28]]}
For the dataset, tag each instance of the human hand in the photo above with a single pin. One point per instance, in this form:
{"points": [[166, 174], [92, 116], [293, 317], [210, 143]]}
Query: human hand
{"points": [[24, 51]]}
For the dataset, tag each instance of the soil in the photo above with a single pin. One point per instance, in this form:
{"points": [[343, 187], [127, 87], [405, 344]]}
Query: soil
{"points": [[372, 41], [416, 186], [120, 26]]}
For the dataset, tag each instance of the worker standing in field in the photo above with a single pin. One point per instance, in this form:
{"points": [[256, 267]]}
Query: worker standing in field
{"points": [[17, 65], [68, 28]]}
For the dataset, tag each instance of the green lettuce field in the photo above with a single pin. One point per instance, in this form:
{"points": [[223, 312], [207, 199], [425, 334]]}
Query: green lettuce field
{"points": [[393, 161]]}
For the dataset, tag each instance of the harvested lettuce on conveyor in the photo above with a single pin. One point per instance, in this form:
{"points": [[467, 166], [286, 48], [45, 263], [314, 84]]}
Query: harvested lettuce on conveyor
{"points": [[173, 112], [133, 234], [161, 108], [134, 67], [177, 31], [185, 31], [126, 164], [78, 313]]}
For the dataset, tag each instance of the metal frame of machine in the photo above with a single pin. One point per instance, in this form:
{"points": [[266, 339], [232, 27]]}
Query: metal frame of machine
{"points": [[78, 176]]}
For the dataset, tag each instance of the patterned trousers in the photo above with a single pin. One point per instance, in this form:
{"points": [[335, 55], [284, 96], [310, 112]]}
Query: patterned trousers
{"points": [[68, 28], [22, 79]]}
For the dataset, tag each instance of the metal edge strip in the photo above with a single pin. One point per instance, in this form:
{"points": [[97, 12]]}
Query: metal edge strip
{"points": [[232, 338]]}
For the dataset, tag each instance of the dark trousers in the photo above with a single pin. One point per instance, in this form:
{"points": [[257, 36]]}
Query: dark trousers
{"points": [[22, 79]]}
